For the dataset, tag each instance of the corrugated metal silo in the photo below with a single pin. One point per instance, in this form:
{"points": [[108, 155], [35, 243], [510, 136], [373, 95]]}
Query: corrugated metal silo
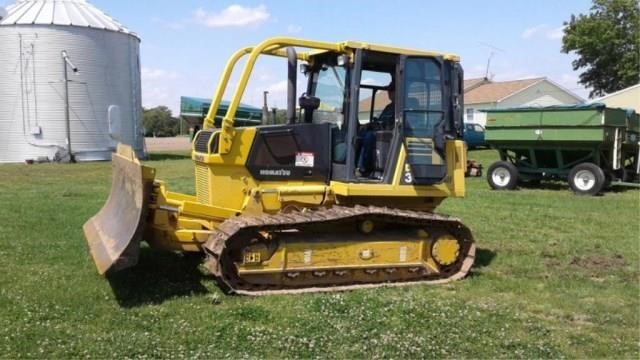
{"points": [[103, 95]]}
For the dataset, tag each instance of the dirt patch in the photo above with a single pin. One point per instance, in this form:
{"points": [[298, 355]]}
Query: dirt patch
{"points": [[553, 263], [599, 262]]}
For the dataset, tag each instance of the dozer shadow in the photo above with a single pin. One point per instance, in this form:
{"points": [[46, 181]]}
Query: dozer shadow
{"points": [[484, 257], [159, 276]]}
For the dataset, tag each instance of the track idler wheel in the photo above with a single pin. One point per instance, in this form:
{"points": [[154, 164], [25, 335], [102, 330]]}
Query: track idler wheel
{"points": [[445, 250]]}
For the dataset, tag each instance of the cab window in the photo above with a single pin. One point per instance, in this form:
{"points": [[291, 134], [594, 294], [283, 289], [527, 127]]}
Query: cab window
{"points": [[329, 87], [373, 97], [423, 108]]}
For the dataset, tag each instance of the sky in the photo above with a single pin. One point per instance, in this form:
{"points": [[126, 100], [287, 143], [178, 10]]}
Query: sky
{"points": [[185, 44]]}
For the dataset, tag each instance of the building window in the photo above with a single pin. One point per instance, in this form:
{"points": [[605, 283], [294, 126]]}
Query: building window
{"points": [[470, 115]]}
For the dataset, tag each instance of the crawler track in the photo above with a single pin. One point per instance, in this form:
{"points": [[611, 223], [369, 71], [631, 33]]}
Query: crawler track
{"points": [[235, 233]]}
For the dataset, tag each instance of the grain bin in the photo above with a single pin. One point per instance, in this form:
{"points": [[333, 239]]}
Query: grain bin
{"points": [[40, 117]]}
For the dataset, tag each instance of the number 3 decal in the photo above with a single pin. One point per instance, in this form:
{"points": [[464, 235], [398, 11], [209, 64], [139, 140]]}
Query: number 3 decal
{"points": [[407, 177]]}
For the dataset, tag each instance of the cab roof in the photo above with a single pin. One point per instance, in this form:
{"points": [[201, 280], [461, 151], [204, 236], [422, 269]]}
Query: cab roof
{"points": [[397, 50]]}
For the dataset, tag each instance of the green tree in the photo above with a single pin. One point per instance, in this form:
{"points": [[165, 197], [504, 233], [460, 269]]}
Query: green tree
{"points": [[607, 43], [281, 116], [159, 122]]}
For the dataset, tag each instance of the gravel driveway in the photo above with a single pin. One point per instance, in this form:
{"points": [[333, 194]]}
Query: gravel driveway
{"points": [[167, 143]]}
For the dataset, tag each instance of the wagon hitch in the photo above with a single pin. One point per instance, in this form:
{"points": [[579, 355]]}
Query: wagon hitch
{"points": [[474, 169]]}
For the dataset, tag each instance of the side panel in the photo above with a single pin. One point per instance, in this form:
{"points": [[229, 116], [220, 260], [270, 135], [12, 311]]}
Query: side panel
{"points": [[561, 125], [222, 180], [534, 134], [291, 152], [399, 190], [225, 182]]}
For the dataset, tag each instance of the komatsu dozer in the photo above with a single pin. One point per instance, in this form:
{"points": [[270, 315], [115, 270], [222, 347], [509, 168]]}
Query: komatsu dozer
{"points": [[341, 196]]}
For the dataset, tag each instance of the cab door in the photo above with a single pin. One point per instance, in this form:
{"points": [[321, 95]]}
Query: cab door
{"points": [[424, 115]]}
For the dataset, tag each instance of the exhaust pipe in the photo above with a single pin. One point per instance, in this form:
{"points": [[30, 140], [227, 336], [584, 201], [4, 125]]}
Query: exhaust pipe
{"points": [[292, 76]]}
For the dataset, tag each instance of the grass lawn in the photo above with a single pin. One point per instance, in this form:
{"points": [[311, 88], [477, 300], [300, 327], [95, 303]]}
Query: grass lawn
{"points": [[557, 276]]}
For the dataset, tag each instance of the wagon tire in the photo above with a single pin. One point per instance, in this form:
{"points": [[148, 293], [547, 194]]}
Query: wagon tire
{"points": [[586, 179], [502, 175]]}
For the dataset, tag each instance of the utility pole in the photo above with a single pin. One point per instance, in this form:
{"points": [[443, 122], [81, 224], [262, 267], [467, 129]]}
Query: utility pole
{"points": [[487, 74], [265, 110], [67, 63]]}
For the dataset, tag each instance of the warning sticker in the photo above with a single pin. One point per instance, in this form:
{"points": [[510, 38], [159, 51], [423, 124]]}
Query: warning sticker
{"points": [[304, 159], [403, 253]]}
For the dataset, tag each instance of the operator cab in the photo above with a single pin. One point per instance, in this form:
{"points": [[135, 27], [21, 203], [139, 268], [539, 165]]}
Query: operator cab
{"points": [[383, 103], [374, 117]]}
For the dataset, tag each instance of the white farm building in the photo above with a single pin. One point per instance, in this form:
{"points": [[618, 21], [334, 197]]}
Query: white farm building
{"points": [[69, 79]]}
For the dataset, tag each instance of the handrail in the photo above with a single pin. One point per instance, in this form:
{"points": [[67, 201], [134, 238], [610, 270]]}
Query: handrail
{"points": [[270, 46], [222, 84], [226, 75]]}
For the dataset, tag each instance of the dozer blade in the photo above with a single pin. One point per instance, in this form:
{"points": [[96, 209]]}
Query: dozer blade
{"points": [[115, 232]]}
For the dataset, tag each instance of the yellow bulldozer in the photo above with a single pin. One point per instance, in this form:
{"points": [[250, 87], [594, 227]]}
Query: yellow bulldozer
{"points": [[341, 196]]}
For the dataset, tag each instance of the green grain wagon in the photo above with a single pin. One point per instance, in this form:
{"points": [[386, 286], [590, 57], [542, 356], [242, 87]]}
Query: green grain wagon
{"points": [[590, 146]]}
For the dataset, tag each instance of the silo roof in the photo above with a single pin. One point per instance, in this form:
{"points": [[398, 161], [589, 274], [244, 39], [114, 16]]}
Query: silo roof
{"points": [[61, 12]]}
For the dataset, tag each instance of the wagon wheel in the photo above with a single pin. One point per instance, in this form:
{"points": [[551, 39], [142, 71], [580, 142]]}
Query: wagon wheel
{"points": [[586, 179], [502, 175]]}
